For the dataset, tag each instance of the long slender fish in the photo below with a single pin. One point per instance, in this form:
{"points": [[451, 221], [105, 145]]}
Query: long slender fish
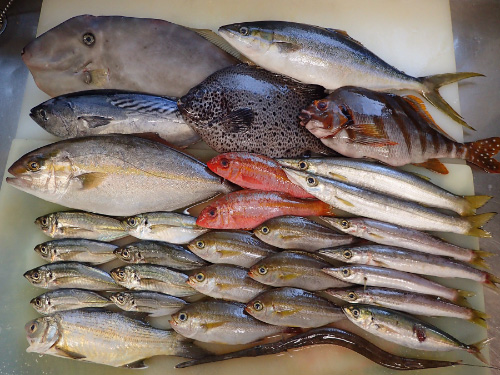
{"points": [[377, 206], [387, 180], [144, 301], [112, 111], [77, 250], [67, 299], [331, 58]]}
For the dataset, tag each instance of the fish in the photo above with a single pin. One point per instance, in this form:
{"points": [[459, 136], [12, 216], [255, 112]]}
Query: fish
{"points": [[295, 232], [163, 226], [378, 206], [80, 225], [387, 278], [388, 180], [246, 209], [412, 303], [254, 171], [295, 269], [153, 278], [71, 275], [160, 253], [360, 123], [226, 282], [331, 58], [246, 108], [406, 330], [114, 52], [96, 112], [104, 337], [293, 307], [239, 248], [153, 303], [220, 322], [100, 173], [77, 250], [397, 235], [67, 299]]}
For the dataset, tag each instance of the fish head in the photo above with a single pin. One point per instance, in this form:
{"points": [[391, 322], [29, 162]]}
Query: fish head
{"points": [[261, 307], [343, 224], [129, 254], [125, 276], [203, 246], [265, 272], [46, 250], [42, 304], [40, 276], [42, 334], [227, 165], [311, 183], [298, 164], [345, 294], [137, 224], [203, 103], [360, 315], [123, 300], [48, 224], [266, 231], [324, 118], [213, 216], [202, 281], [347, 274], [186, 322], [56, 116], [343, 254]]}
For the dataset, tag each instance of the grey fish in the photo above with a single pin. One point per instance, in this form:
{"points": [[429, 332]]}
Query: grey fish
{"points": [[160, 253], [294, 232], [77, 250], [67, 299], [111, 111], [329, 57], [153, 303], [100, 173], [246, 108], [71, 275], [104, 337], [293, 307], [113, 52]]}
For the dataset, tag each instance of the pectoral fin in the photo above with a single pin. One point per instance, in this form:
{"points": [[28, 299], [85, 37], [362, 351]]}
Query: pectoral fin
{"points": [[286, 47], [137, 364], [68, 354], [91, 180], [433, 165], [385, 329], [95, 121], [288, 312], [370, 134], [347, 203], [338, 176], [237, 121], [208, 326], [346, 35]]}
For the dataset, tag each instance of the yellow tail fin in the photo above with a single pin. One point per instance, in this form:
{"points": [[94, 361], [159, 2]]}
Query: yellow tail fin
{"points": [[476, 348], [479, 318], [478, 259], [473, 202], [491, 282], [476, 222]]}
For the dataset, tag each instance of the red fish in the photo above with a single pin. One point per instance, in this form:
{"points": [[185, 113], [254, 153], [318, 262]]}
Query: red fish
{"points": [[246, 209], [254, 171], [358, 122]]}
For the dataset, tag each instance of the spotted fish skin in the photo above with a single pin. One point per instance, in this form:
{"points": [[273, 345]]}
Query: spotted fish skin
{"points": [[245, 108]]}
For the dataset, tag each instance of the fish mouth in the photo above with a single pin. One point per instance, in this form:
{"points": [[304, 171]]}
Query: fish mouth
{"points": [[228, 31], [190, 281], [19, 182], [305, 117]]}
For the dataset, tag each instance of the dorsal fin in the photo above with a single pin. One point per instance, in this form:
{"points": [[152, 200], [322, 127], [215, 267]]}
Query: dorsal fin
{"points": [[345, 35], [418, 105]]}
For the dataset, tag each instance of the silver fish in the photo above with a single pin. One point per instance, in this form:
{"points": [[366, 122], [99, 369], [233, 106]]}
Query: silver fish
{"points": [[77, 250], [153, 303], [67, 299]]}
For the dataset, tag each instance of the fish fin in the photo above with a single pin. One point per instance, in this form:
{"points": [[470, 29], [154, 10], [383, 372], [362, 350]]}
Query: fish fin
{"points": [[433, 165], [190, 350], [347, 203], [371, 134], [238, 121], [286, 47], [345, 35], [288, 276], [136, 364], [338, 176], [475, 349], [385, 329], [431, 85], [491, 282], [481, 154], [96, 77], [208, 326], [91, 180], [475, 201], [68, 354], [375, 235], [226, 253], [220, 42], [96, 121], [479, 318], [283, 313], [476, 222], [478, 259]]}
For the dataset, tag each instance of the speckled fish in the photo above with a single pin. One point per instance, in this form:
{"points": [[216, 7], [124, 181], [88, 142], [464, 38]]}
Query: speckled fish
{"points": [[104, 337], [387, 278], [387, 180], [357, 123], [77, 250], [412, 303], [163, 226], [245, 108], [73, 224], [396, 235], [226, 282], [294, 232], [67, 299], [71, 275], [295, 269], [231, 247], [113, 52], [111, 111], [405, 330], [160, 253], [293, 307], [100, 173], [221, 322], [153, 303], [378, 206], [254, 171], [245, 209], [153, 278], [329, 57]]}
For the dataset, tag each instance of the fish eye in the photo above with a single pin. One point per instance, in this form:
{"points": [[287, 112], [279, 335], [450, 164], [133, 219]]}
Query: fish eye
{"points": [[43, 250], [311, 181], [200, 244], [43, 115], [88, 39], [199, 277], [262, 270], [132, 221], [352, 296], [212, 212], [346, 271], [322, 105], [33, 166], [35, 275], [183, 316], [44, 221], [121, 274], [355, 313], [38, 302], [224, 163], [264, 230], [257, 305], [120, 298], [33, 327], [347, 254], [345, 224], [244, 31], [303, 165], [125, 253]]}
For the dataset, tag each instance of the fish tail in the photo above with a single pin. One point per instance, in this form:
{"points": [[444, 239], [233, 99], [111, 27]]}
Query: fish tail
{"points": [[473, 202], [476, 222], [481, 154], [330, 211], [479, 318], [189, 350], [478, 258], [461, 298], [476, 348], [491, 282]]}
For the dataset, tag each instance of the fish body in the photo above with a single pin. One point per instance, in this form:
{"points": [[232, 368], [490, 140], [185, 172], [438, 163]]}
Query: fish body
{"points": [[245, 209], [358, 123], [113, 52], [112, 111], [100, 173], [104, 337], [294, 232], [77, 250], [293, 307], [220, 322], [239, 248], [67, 299], [249, 109], [143, 301], [226, 282]]}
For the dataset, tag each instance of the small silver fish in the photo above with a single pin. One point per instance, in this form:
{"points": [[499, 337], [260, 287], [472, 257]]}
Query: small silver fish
{"points": [[153, 303], [67, 299], [77, 250]]}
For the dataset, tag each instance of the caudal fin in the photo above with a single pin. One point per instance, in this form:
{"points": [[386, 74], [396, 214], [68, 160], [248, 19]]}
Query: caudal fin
{"points": [[491, 282], [478, 259], [431, 93], [473, 202], [476, 348], [481, 152], [479, 318], [476, 222]]}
